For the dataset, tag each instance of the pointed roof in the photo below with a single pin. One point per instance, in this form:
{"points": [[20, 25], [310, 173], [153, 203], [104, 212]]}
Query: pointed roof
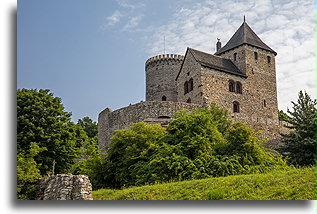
{"points": [[214, 62], [244, 35]]}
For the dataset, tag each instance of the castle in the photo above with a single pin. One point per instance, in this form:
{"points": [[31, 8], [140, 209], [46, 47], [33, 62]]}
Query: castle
{"points": [[239, 77]]}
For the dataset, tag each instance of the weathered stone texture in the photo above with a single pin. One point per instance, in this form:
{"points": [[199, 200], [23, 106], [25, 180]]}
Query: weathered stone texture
{"points": [[65, 187], [166, 76], [190, 70], [161, 72], [148, 111]]}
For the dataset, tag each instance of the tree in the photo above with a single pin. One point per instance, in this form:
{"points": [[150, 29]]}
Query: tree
{"points": [[89, 126], [300, 143], [128, 156], [282, 116], [90, 161], [28, 172], [196, 144], [41, 119]]}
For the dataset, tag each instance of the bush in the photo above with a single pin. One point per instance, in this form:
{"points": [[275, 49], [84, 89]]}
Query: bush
{"points": [[198, 144]]}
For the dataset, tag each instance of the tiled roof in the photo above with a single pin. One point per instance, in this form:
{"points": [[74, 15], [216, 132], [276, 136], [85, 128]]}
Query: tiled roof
{"points": [[216, 62], [244, 35]]}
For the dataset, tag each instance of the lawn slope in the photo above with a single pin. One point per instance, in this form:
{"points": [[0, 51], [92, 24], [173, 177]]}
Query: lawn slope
{"points": [[294, 184]]}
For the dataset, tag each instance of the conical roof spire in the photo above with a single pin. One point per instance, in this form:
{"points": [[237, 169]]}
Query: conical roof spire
{"points": [[244, 35]]}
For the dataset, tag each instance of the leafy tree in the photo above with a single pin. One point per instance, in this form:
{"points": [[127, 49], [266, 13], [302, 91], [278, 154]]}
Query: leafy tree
{"points": [[300, 143], [197, 144], [28, 172], [89, 126], [129, 154], [41, 119]]}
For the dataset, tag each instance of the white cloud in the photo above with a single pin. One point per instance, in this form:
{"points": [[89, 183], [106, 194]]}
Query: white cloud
{"points": [[114, 18], [134, 5], [286, 26], [132, 23]]}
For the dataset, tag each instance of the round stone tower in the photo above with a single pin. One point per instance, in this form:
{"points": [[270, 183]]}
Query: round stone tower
{"points": [[161, 72]]}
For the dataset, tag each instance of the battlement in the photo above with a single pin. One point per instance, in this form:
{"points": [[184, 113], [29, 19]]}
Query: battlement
{"points": [[164, 58]]}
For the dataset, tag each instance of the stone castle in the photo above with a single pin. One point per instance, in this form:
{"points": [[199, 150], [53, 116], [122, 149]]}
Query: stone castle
{"points": [[239, 77]]}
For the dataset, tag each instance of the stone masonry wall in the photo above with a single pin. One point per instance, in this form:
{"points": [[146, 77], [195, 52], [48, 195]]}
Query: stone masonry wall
{"points": [[190, 70], [161, 72], [258, 101], [65, 187], [148, 111]]}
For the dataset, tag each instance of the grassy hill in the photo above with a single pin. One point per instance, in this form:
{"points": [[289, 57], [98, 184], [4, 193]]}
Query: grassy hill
{"points": [[294, 184]]}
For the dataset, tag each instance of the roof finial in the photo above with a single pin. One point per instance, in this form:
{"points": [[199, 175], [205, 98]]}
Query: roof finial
{"points": [[244, 18]]}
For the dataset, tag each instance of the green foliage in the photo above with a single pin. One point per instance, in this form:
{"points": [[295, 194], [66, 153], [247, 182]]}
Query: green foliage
{"points": [[287, 184], [300, 143], [90, 161], [41, 119], [89, 126], [198, 144], [282, 116], [129, 154], [28, 172]]}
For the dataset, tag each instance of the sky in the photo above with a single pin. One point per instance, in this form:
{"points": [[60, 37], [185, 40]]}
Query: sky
{"points": [[91, 53]]}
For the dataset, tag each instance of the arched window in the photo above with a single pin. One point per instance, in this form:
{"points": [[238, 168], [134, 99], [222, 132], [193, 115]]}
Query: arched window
{"points": [[231, 86], [164, 98], [186, 87], [239, 88], [189, 100], [190, 85], [236, 107]]}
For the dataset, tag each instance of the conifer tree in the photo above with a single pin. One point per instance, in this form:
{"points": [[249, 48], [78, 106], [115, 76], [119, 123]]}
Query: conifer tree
{"points": [[300, 143]]}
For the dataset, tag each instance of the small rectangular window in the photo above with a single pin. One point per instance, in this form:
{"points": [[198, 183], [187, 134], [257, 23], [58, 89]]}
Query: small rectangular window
{"points": [[255, 56], [268, 59], [235, 56]]}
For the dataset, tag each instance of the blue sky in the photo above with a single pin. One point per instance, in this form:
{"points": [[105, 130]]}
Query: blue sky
{"points": [[91, 53]]}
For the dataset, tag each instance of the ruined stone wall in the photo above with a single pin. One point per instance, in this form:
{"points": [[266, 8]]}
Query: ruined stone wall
{"points": [[65, 187], [161, 72], [148, 111]]}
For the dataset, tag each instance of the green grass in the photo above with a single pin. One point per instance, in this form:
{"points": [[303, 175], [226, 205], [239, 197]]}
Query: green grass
{"points": [[293, 184]]}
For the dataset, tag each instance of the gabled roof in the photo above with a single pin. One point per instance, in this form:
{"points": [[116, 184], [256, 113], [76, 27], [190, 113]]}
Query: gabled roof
{"points": [[214, 62], [244, 35]]}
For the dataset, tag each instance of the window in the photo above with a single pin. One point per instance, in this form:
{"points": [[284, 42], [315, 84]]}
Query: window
{"points": [[236, 107], [189, 100], [164, 98], [264, 103], [190, 85], [231, 86], [186, 87], [239, 88], [255, 56], [235, 56], [268, 60]]}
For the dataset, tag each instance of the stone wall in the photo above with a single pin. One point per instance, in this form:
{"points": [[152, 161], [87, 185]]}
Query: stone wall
{"points": [[258, 100], [161, 72], [149, 111], [64, 187], [190, 70]]}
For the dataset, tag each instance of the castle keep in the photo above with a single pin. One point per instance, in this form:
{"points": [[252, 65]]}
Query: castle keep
{"points": [[240, 77]]}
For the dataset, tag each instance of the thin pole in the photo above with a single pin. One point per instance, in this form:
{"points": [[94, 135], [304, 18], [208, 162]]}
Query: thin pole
{"points": [[164, 44]]}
